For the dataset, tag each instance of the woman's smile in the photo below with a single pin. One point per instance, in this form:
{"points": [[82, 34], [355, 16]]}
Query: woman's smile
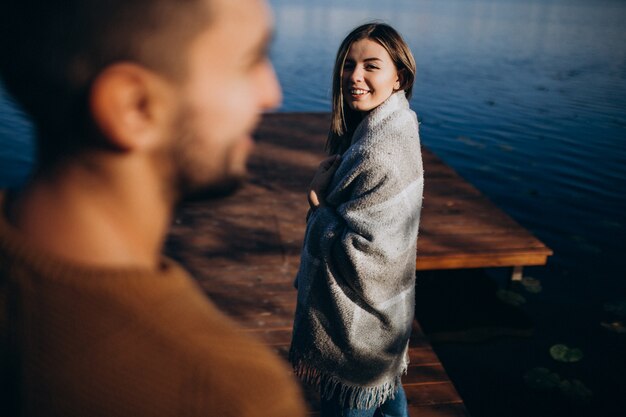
{"points": [[358, 92]]}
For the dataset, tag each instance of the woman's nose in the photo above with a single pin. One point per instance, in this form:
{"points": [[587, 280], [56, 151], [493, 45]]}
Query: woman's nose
{"points": [[357, 74]]}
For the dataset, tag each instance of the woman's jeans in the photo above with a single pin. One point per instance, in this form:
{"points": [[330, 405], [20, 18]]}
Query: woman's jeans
{"points": [[396, 407]]}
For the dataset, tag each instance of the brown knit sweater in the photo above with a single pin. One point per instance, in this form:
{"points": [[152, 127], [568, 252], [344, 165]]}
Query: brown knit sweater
{"points": [[82, 341]]}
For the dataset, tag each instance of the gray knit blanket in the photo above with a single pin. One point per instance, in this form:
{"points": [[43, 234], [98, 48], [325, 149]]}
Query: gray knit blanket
{"points": [[356, 280]]}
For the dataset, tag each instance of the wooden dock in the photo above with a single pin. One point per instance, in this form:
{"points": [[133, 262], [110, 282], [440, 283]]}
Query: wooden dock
{"points": [[245, 249]]}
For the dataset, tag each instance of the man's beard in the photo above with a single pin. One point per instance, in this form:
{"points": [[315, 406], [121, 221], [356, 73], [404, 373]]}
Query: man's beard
{"points": [[211, 192], [190, 184]]}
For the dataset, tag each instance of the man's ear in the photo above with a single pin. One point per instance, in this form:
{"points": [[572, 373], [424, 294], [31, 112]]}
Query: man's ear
{"points": [[127, 103]]}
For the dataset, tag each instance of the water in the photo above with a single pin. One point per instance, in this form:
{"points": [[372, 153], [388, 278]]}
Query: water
{"points": [[526, 100], [16, 142]]}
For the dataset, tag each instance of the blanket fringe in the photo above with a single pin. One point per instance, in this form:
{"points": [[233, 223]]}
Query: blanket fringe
{"points": [[354, 396]]}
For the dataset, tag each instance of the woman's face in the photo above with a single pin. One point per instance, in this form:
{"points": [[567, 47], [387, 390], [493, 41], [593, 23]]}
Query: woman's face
{"points": [[369, 76]]}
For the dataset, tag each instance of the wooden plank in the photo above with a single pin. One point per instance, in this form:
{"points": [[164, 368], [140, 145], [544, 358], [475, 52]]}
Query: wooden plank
{"points": [[431, 393], [439, 410], [427, 373], [460, 227], [426, 263], [423, 356]]}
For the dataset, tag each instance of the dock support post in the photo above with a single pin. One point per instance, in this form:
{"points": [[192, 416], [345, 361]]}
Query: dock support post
{"points": [[516, 276]]}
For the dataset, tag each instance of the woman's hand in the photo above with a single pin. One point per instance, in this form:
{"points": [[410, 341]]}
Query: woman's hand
{"points": [[321, 179]]}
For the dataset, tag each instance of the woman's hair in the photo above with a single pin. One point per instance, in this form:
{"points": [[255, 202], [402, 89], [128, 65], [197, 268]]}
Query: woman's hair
{"points": [[344, 120]]}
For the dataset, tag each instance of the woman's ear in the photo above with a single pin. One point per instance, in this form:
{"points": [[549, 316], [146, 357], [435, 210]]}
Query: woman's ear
{"points": [[126, 102], [400, 81]]}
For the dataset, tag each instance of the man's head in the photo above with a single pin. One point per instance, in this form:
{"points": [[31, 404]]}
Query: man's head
{"points": [[181, 81]]}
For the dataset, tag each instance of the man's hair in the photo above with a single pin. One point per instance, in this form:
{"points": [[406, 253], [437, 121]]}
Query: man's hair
{"points": [[344, 120], [51, 51]]}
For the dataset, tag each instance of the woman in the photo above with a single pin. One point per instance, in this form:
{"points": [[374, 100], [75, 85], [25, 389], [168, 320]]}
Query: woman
{"points": [[357, 271]]}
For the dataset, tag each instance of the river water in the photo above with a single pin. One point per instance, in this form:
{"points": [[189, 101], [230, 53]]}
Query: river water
{"points": [[526, 99]]}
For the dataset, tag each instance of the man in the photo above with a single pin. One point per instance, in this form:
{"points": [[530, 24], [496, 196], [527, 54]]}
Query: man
{"points": [[138, 104]]}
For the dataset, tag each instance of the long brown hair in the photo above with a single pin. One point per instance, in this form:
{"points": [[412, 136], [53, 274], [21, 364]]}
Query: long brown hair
{"points": [[344, 120]]}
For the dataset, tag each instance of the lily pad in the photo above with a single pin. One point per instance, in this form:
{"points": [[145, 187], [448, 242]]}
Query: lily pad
{"points": [[576, 390], [618, 308], [562, 353], [510, 297], [532, 285], [542, 379], [614, 326]]}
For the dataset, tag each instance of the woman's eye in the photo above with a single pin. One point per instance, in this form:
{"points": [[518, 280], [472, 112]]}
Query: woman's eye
{"points": [[371, 67]]}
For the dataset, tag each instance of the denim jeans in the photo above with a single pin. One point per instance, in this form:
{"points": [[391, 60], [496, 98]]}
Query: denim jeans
{"points": [[396, 407]]}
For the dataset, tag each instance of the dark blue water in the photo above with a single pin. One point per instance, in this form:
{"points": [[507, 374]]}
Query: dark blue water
{"points": [[16, 142], [526, 100]]}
